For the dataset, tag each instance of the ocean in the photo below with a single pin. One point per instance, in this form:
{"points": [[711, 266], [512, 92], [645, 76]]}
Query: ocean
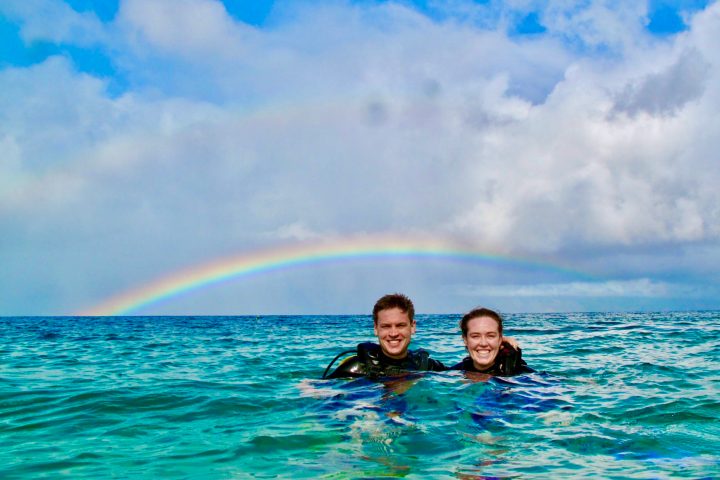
{"points": [[614, 395]]}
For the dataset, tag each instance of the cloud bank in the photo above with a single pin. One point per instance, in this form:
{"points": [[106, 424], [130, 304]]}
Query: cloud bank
{"points": [[594, 141]]}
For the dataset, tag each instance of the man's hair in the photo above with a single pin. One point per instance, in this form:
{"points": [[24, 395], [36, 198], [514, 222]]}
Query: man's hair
{"points": [[480, 312], [394, 300]]}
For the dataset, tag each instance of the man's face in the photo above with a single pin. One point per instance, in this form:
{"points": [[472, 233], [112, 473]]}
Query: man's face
{"points": [[394, 330], [483, 341]]}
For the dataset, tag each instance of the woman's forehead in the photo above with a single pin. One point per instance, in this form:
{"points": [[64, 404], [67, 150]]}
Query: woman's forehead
{"points": [[483, 324]]}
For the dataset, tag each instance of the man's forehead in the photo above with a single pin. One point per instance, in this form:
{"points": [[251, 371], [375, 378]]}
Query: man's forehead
{"points": [[393, 315]]}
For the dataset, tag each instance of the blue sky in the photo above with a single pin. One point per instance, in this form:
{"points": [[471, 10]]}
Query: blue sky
{"points": [[141, 138], [661, 18]]}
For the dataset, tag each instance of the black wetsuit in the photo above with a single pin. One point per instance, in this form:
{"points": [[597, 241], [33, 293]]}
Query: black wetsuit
{"points": [[370, 361], [508, 362]]}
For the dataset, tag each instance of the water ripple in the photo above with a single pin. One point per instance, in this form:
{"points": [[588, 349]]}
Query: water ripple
{"points": [[615, 396]]}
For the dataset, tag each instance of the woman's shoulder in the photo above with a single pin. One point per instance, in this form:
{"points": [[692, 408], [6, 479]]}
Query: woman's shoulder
{"points": [[466, 364]]}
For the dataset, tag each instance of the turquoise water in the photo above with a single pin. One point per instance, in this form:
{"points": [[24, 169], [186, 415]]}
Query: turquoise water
{"points": [[616, 396]]}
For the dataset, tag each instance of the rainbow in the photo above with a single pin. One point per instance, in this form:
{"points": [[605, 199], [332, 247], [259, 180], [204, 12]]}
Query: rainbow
{"points": [[292, 256]]}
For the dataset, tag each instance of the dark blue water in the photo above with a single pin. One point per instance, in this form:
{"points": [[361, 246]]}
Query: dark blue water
{"points": [[615, 396]]}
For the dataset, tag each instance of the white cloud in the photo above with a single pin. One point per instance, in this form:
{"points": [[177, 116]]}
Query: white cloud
{"points": [[612, 24], [296, 231], [348, 119], [666, 92], [54, 21], [581, 173], [9, 163], [609, 295], [196, 28], [642, 287]]}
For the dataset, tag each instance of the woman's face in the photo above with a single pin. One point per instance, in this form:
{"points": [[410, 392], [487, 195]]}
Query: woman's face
{"points": [[483, 341]]}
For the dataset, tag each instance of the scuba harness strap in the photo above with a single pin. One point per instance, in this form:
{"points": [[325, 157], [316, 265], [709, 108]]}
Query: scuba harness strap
{"points": [[334, 360], [508, 359], [375, 364], [370, 353], [421, 358]]}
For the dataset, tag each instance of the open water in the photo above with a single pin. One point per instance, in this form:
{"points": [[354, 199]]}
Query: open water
{"points": [[615, 396]]}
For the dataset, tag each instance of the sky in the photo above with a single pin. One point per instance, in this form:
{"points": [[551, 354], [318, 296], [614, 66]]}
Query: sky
{"points": [[575, 140]]}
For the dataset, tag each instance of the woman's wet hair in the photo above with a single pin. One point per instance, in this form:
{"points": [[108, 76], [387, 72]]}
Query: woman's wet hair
{"points": [[394, 300], [480, 312]]}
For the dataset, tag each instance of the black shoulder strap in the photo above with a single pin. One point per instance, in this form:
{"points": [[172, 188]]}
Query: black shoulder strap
{"points": [[335, 359], [368, 350], [509, 360], [369, 354], [422, 359]]}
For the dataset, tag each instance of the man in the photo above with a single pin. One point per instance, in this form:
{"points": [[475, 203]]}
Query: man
{"points": [[489, 351], [394, 326]]}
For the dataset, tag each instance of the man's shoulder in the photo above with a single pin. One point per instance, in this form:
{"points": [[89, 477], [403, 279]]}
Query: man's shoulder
{"points": [[437, 366], [368, 350], [351, 367], [424, 362], [369, 360], [366, 358]]}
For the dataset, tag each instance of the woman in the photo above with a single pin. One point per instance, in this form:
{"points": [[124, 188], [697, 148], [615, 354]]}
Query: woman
{"points": [[489, 353]]}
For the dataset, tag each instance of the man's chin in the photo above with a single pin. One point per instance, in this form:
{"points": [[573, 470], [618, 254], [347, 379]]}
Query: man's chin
{"points": [[395, 353]]}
